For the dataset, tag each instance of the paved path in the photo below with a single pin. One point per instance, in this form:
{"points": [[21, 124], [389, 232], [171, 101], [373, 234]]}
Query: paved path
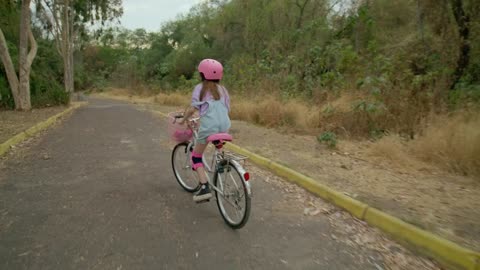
{"points": [[97, 192]]}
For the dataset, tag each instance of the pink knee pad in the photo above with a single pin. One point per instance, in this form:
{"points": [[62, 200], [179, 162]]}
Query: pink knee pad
{"points": [[197, 161]]}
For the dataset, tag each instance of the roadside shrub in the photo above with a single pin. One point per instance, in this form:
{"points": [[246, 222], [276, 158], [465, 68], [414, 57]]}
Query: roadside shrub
{"points": [[328, 138], [6, 98], [46, 93]]}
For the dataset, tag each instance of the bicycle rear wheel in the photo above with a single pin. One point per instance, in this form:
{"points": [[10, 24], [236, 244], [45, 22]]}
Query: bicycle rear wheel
{"points": [[182, 169], [234, 204]]}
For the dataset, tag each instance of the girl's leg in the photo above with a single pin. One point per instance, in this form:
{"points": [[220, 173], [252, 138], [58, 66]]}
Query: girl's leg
{"points": [[204, 193], [199, 149]]}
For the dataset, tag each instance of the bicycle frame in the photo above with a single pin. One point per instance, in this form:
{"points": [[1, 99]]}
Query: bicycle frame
{"points": [[217, 156]]}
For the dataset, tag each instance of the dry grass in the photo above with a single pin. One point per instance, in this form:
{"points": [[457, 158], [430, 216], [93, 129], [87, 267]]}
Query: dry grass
{"points": [[396, 152], [451, 143], [270, 112], [448, 142], [119, 92], [342, 104], [173, 99], [334, 114]]}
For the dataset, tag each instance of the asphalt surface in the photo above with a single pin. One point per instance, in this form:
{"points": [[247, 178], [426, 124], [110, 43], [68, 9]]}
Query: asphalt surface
{"points": [[97, 192]]}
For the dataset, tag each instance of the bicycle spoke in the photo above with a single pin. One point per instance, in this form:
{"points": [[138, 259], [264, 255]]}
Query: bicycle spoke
{"points": [[233, 198], [182, 168], [238, 214], [228, 201], [220, 181], [233, 180]]}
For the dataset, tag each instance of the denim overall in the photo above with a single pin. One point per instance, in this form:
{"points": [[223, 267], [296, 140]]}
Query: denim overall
{"points": [[215, 120]]}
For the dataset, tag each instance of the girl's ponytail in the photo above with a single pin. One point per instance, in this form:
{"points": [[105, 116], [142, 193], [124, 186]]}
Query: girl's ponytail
{"points": [[209, 86]]}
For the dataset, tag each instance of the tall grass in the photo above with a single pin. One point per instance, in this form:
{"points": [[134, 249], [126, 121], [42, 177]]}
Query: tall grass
{"points": [[451, 142], [270, 112], [173, 99]]}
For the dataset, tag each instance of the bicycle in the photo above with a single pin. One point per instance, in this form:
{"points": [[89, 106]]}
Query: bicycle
{"points": [[230, 180]]}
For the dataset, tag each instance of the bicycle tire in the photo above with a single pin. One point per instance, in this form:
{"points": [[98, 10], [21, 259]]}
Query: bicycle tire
{"points": [[247, 205], [188, 185]]}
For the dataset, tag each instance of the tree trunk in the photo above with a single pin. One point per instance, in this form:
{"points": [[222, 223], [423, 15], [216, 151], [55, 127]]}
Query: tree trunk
{"points": [[20, 86], [25, 59], [301, 8], [68, 70], [420, 23], [463, 21], [67, 47], [9, 68], [71, 46]]}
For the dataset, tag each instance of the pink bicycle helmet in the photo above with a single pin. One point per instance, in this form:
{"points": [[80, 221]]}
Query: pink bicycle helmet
{"points": [[211, 69]]}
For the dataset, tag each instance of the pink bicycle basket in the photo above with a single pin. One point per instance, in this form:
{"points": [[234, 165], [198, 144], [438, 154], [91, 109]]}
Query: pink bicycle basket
{"points": [[177, 132]]}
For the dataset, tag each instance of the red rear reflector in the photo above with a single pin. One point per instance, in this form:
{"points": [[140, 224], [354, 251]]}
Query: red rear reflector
{"points": [[246, 176]]}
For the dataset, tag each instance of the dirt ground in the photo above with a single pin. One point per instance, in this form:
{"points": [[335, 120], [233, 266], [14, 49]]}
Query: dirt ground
{"points": [[425, 196], [14, 122]]}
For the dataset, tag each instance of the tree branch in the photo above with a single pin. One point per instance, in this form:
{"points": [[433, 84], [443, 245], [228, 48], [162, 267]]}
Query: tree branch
{"points": [[302, 10], [53, 19], [9, 68], [463, 21], [33, 49], [56, 25], [332, 6]]}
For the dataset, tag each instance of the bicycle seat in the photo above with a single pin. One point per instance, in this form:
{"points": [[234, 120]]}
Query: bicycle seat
{"points": [[219, 138]]}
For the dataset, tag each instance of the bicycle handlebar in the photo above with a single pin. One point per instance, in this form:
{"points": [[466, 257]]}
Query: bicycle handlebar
{"points": [[191, 121]]}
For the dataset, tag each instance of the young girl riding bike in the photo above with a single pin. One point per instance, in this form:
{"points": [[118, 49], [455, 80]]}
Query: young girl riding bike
{"points": [[212, 102]]}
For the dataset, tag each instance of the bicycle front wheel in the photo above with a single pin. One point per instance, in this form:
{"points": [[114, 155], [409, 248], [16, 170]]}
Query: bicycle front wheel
{"points": [[182, 168], [233, 200]]}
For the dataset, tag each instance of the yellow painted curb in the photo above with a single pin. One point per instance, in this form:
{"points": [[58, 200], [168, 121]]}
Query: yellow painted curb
{"points": [[5, 146], [353, 206], [445, 252], [160, 113], [12, 141]]}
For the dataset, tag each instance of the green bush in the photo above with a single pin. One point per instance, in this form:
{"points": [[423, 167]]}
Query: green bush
{"points": [[46, 93], [6, 98], [464, 93], [43, 93], [329, 138]]}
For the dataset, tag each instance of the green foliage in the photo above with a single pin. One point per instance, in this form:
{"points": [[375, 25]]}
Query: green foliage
{"points": [[46, 93], [464, 93], [46, 78], [369, 107], [6, 98], [385, 50], [9, 22], [328, 138], [10, 19]]}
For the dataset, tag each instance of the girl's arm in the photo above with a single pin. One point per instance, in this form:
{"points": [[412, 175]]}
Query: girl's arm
{"points": [[191, 110], [187, 114]]}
